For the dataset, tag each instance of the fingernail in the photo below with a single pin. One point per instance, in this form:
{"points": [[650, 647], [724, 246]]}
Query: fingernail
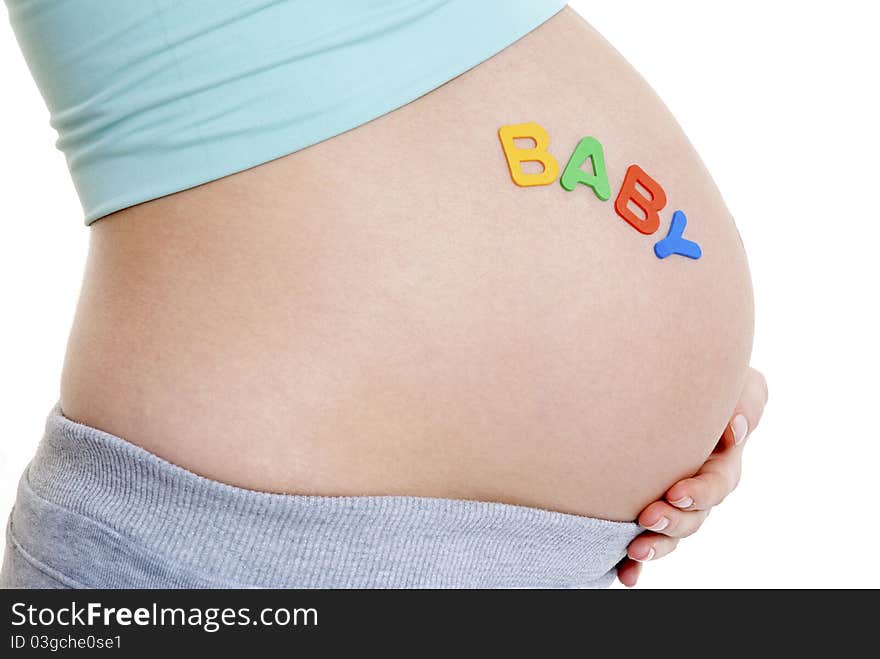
{"points": [[649, 557], [740, 428], [686, 502], [659, 525]]}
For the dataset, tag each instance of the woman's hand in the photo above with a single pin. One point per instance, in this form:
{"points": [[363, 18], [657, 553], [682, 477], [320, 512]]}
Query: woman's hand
{"points": [[687, 503]]}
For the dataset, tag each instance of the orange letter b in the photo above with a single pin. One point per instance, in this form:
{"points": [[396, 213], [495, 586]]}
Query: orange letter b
{"points": [[652, 206]]}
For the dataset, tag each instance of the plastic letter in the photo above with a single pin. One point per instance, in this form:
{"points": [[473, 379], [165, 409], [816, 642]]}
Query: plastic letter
{"points": [[652, 206], [589, 149], [516, 156]]}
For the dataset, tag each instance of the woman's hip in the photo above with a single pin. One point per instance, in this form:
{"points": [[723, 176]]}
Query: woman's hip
{"points": [[94, 511]]}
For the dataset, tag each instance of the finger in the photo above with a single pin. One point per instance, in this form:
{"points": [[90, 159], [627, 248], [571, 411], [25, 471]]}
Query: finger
{"points": [[651, 547], [628, 572], [711, 485], [721, 473], [667, 520], [750, 408]]}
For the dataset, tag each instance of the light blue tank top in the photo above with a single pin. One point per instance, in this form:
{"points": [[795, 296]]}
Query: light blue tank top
{"points": [[150, 97]]}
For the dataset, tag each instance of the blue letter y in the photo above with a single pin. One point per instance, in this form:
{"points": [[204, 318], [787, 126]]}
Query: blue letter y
{"points": [[675, 243]]}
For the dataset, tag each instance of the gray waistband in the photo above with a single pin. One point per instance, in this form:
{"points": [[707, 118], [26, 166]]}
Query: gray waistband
{"points": [[103, 512]]}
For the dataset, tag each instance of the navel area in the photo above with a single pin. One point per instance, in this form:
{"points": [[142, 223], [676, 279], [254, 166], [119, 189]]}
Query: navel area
{"points": [[638, 189]]}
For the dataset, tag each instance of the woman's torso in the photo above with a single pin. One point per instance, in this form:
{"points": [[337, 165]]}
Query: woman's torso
{"points": [[387, 313]]}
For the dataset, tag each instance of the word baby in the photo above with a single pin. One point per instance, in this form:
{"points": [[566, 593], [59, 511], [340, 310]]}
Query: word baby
{"points": [[590, 149]]}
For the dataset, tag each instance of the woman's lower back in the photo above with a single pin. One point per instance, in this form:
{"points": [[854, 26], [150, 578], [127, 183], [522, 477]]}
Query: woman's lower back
{"points": [[387, 313]]}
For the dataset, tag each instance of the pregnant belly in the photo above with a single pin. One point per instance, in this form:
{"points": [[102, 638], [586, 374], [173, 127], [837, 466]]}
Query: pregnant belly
{"points": [[389, 313]]}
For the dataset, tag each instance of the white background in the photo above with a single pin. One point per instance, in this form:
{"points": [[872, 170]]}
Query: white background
{"points": [[781, 99]]}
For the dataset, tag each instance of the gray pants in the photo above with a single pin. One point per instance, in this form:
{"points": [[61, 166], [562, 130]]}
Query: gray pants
{"points": [[94, 511]]}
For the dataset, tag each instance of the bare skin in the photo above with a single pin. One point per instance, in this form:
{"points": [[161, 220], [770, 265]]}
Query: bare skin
{"points": [[386, 313]]}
